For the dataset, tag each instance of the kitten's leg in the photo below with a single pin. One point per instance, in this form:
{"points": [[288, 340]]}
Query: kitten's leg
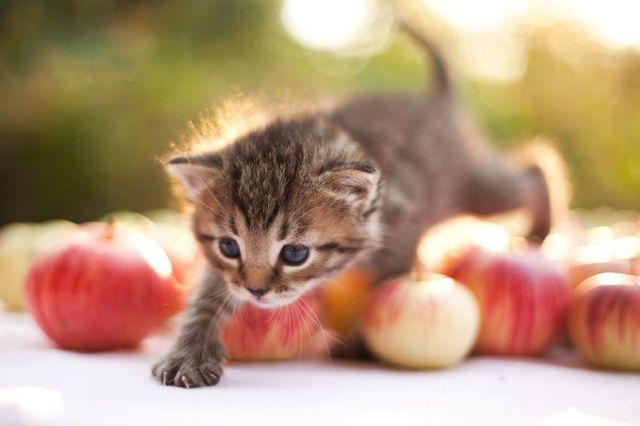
{"points": [[496, 188], [196, 357]]}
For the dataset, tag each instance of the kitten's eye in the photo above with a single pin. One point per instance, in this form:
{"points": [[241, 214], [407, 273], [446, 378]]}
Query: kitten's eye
{"points": [[229, 248], [294, 255]]}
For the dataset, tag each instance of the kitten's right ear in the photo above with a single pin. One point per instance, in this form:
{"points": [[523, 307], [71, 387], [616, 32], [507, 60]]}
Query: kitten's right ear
{"points": [[354, 182], [195, 172]]}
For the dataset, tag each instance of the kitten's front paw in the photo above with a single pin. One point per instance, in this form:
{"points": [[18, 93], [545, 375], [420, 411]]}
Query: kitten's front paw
{"points": [[184, 369]]}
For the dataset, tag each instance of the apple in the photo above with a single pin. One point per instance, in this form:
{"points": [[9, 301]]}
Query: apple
{"points": [[345, 298], [254, 333], [604, 320], [106, 287], [173, 233], [523, 299], [430, 322], [181, 247], [19, 244]]}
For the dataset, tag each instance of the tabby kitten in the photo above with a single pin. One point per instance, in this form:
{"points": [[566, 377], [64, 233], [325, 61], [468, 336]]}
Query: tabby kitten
{"points": [[287, 206]]}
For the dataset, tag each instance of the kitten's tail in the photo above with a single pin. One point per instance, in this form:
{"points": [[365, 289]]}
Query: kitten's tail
{"points": [[541, 158], [443, 84], [539, 185]]}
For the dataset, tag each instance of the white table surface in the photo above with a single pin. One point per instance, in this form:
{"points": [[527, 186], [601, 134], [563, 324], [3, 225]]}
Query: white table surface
{"points": [[41, 385]]}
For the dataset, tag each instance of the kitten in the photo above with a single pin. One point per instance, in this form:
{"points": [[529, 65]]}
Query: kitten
{"points": [[288, 206]]}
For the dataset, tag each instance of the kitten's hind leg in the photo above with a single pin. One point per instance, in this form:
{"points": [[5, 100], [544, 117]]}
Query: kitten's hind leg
{"points": [[497, 188]]}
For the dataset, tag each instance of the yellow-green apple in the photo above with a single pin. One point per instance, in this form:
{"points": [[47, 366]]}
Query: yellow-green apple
{"points": [[604, 320], [345, 298], [107, 286], [253, 333], [523, 299], [19, 244], [431, 322]]}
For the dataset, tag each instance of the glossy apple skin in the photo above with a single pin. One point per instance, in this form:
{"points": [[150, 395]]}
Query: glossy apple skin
{"points": [[253, 333], [172, 231], [523, 299], [102, 290], [430, 323], [604, 321]]}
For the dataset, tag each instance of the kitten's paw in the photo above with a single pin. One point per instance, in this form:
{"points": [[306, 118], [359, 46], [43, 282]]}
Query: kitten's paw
{"points": [[185, 370]]}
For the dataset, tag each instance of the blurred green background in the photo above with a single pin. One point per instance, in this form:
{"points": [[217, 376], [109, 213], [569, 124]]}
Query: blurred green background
{"points": [[93, 92]]}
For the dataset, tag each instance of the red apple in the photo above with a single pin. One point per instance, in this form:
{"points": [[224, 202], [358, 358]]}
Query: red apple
{"points": [[604, 321], [107, 287], [172, 231], [253, 333], [523, 299], [428, 323]]}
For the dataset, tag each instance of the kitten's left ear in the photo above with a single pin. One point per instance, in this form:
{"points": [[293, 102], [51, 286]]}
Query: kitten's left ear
{"points": [[195, 172], [355, 182]]}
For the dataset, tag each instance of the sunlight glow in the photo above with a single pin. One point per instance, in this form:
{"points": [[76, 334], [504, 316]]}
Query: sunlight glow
{"points": [[555, 246], [476, 16], [334, 24], [627, 247], [491, 30], [614, 22], [495, 56]]}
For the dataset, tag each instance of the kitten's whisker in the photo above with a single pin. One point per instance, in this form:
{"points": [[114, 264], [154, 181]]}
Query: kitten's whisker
{"points": [[301, 312], [313, 317], [319, 323]]}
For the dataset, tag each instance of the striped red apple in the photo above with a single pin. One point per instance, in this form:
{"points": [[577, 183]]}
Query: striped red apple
{"points": [[604, 321], [430, 322], [523, 299], [106, 287], [253, 333]]}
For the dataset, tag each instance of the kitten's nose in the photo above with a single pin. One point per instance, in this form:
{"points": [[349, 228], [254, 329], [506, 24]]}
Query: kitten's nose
{"points": [[257, 292]]}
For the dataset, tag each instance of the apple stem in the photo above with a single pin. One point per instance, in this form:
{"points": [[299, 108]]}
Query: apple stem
{"points": [[419, 270], [109, 228]]}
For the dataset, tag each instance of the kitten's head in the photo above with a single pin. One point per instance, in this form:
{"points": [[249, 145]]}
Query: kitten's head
{"points": [[283, 208]]}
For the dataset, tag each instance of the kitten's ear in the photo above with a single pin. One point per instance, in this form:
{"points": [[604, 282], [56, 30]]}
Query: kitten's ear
{"points": [[355, 183], [195, 172]]}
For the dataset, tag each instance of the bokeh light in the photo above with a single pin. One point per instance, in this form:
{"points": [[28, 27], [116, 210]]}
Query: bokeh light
{"points": [[336, 25]]}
